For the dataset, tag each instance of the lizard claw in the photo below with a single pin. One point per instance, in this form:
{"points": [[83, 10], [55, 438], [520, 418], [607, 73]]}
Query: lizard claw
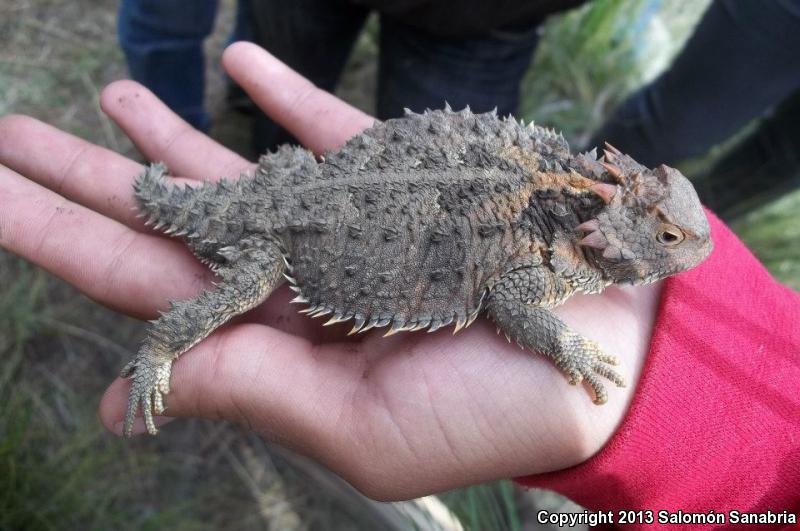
{"points": [[150, 384], [583, 360]]}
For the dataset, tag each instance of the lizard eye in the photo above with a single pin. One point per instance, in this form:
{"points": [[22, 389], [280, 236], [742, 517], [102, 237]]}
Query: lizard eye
{"points": [[669, 235]]}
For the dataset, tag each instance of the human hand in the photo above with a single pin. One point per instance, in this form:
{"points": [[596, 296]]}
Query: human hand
{"points": [[398, 417]]}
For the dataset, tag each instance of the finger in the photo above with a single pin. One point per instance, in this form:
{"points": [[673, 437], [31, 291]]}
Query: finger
{"points": [[161, 135], [318, 119], [130, 271], [78, 170]]}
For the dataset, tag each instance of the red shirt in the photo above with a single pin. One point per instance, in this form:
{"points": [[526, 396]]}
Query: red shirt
{"points": [[715, 423]]}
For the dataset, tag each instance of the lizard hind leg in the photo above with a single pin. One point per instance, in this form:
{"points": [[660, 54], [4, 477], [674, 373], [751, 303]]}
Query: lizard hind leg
{"points": [[244, 283], [519, 305]]}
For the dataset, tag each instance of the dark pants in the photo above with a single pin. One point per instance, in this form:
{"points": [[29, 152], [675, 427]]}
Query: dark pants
{"points": [[417, 69], [163, 43], [743, 60], [764, 165]]}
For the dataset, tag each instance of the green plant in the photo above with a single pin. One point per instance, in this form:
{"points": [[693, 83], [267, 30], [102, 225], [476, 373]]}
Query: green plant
{"points": [[485, 507], [772, 233]]}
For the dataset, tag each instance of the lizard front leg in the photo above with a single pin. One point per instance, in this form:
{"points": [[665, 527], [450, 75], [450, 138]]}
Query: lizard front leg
{"points": [[520, 305], [245, 281]]}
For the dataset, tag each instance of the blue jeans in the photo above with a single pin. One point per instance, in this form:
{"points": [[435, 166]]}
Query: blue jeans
{"points": [[163, 44]]}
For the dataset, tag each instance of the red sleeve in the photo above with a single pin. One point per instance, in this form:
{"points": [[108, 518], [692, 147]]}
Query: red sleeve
{"points": [[715, 423]]}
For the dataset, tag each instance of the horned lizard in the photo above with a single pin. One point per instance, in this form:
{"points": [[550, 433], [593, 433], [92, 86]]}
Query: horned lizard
{"points": [[420, 222]]}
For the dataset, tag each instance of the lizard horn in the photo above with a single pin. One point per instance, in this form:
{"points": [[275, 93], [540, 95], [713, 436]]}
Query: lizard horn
{"points": [[612, 149], [588, 226], [594, 239], [605, 191], [614, 171]]}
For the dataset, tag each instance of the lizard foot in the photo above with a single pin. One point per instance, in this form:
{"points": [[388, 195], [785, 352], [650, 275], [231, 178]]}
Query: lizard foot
{"points": [[150, 384], [583, 359]]}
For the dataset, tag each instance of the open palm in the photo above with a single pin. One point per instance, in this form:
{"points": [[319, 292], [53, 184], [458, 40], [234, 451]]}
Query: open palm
{"points": [[398, 417]]}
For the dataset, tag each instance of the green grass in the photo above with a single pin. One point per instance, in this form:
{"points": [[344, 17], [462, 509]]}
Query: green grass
{"points": [[589, 59], [490, 506], [583, 67], [21, 308], [773, 233], [58, 468]]}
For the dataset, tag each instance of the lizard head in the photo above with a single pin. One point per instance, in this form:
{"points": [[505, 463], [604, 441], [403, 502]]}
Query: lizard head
{"points": [[652, 225]]}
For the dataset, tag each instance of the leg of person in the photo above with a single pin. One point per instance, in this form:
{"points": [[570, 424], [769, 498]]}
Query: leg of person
{"points": [[313, 37], [243, 30], [243, 284], [163, 44], [419, 70], [741, 60], [243, 25], [762, 166]]}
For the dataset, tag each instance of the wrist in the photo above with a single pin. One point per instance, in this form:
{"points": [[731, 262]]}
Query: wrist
{"points": [[621, 320]]}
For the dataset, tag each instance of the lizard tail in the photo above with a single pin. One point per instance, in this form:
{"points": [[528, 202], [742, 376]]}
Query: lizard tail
{"points": [[207, 214], [176, 210]]}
